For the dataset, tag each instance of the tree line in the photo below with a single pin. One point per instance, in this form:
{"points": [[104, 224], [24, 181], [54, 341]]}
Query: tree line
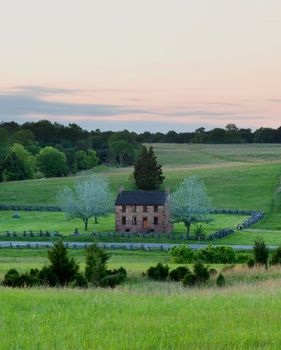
{"points": [[43, 148], [72, 136]]}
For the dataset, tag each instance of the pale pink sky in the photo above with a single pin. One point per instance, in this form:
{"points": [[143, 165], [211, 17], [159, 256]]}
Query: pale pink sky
{"points": [[142, 65]]}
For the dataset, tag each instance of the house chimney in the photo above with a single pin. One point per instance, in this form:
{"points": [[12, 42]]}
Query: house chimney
{"points": [[120, 189]]}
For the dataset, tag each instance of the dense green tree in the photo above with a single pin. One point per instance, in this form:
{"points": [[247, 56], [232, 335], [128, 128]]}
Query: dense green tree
{"points": [[217, 135], [62, 268], [4, 143], [123, 152], [86, 159], [71, 161], [4, 149], [26, 138], [51, 162], [199, 135], [13, 168], [265, 135], [148, 173], [124, 135], [19, 164]]}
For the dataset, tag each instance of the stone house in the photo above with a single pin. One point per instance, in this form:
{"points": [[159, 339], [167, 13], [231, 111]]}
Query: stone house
{"points": [[142, 211]]}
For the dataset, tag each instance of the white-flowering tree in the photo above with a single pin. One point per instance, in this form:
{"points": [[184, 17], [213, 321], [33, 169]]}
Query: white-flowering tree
{"points": [[89, 198], [190, 203]]}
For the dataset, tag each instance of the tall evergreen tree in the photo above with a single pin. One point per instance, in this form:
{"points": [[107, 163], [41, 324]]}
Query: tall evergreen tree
{"points": [[63, 269], [148, 174]]}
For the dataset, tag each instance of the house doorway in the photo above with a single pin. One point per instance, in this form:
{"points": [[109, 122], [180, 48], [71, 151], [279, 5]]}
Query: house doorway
{"points": [[145, 223]]}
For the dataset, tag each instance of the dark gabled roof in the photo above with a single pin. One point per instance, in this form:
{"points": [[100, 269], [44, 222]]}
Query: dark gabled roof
{"points": [[141, 198]]}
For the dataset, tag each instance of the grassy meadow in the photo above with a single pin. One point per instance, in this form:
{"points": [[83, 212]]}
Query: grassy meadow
{"points": [[244, 317], [141, 314]]}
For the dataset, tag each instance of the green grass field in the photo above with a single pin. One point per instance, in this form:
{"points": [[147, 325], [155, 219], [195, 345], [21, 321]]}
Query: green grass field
{"points": [[244, 318], [58, 222], [141, 314], [232, 173], [53, 221]]}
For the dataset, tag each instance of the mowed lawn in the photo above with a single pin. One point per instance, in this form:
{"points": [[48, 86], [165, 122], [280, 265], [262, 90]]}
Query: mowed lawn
{"points": [[57, 221]]}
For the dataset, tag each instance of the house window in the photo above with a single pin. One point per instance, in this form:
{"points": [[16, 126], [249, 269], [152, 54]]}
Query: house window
{"points": [[134, 208], [123, 220], [123, 208], [134, 220], [155, 221], [145, 208], [155, 208]]}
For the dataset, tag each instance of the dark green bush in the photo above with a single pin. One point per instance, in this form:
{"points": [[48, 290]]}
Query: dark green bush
{"points": [[121, 270], [113, 278], [220, 280], [47, 276], [201, 272], [242, 258], [96, 271], [276, 256], [189, 280], [199, 276], [11, 278], [25, 280], [260, 252], [159, 272], [182, 254], [15, 279], [216, 255], [251, 263], [178, 274], [96, 264], [80, 281]]}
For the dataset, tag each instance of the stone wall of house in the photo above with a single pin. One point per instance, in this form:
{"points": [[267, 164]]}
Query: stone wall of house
{"points": [[137, 212]]}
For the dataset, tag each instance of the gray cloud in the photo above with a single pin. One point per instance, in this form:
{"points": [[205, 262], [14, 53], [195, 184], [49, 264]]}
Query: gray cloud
{"points": [[22, 104], [35, 90], [30, 103]]}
